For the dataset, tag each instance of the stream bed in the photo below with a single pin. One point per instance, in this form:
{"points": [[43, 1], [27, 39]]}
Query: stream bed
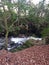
{"points": [[14, 42]]}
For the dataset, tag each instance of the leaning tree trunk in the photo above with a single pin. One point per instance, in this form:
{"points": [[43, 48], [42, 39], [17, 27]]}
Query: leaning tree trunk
{"points": [[6, 36]]}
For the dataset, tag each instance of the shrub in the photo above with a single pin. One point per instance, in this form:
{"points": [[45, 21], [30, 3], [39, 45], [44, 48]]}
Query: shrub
{"points": [[45, 32], [47, 39]]}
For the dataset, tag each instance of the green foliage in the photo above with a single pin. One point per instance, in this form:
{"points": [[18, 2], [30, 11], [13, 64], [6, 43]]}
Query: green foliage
{"points": [[1, 29], [34, 12], [45, 32], [47, 16], [17, 28], [25, 12], [13, 16]]}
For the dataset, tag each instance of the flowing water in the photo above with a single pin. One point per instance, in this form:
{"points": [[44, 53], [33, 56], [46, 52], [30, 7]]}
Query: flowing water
{"points": [[15, 42]]}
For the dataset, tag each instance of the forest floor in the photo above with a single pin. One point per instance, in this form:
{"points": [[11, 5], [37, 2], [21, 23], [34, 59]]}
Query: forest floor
{"points": [[36, 55]]}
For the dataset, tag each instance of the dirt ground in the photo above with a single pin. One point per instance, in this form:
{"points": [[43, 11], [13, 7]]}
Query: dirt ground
{"points": [[36, 55]]}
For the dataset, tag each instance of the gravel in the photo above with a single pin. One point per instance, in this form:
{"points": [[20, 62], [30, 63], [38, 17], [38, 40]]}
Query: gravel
{"points": [[36, 55]]}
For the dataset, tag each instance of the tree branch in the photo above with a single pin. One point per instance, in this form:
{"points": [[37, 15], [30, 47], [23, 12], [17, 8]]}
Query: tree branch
{"points": [[2, 24], [13, 24]]}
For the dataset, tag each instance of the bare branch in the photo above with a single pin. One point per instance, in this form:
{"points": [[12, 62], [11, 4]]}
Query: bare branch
{"points": [[8, 17]]}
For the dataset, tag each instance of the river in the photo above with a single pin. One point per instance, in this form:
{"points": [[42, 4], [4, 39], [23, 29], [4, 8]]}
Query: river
{"points": [[16, 41]]}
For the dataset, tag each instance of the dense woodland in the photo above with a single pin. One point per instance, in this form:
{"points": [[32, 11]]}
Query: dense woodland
{"points": [[24, 17]]}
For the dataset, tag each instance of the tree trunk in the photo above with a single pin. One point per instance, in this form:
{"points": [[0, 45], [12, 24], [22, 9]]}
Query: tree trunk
{"points": [[6, 28], [6, 40]]}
